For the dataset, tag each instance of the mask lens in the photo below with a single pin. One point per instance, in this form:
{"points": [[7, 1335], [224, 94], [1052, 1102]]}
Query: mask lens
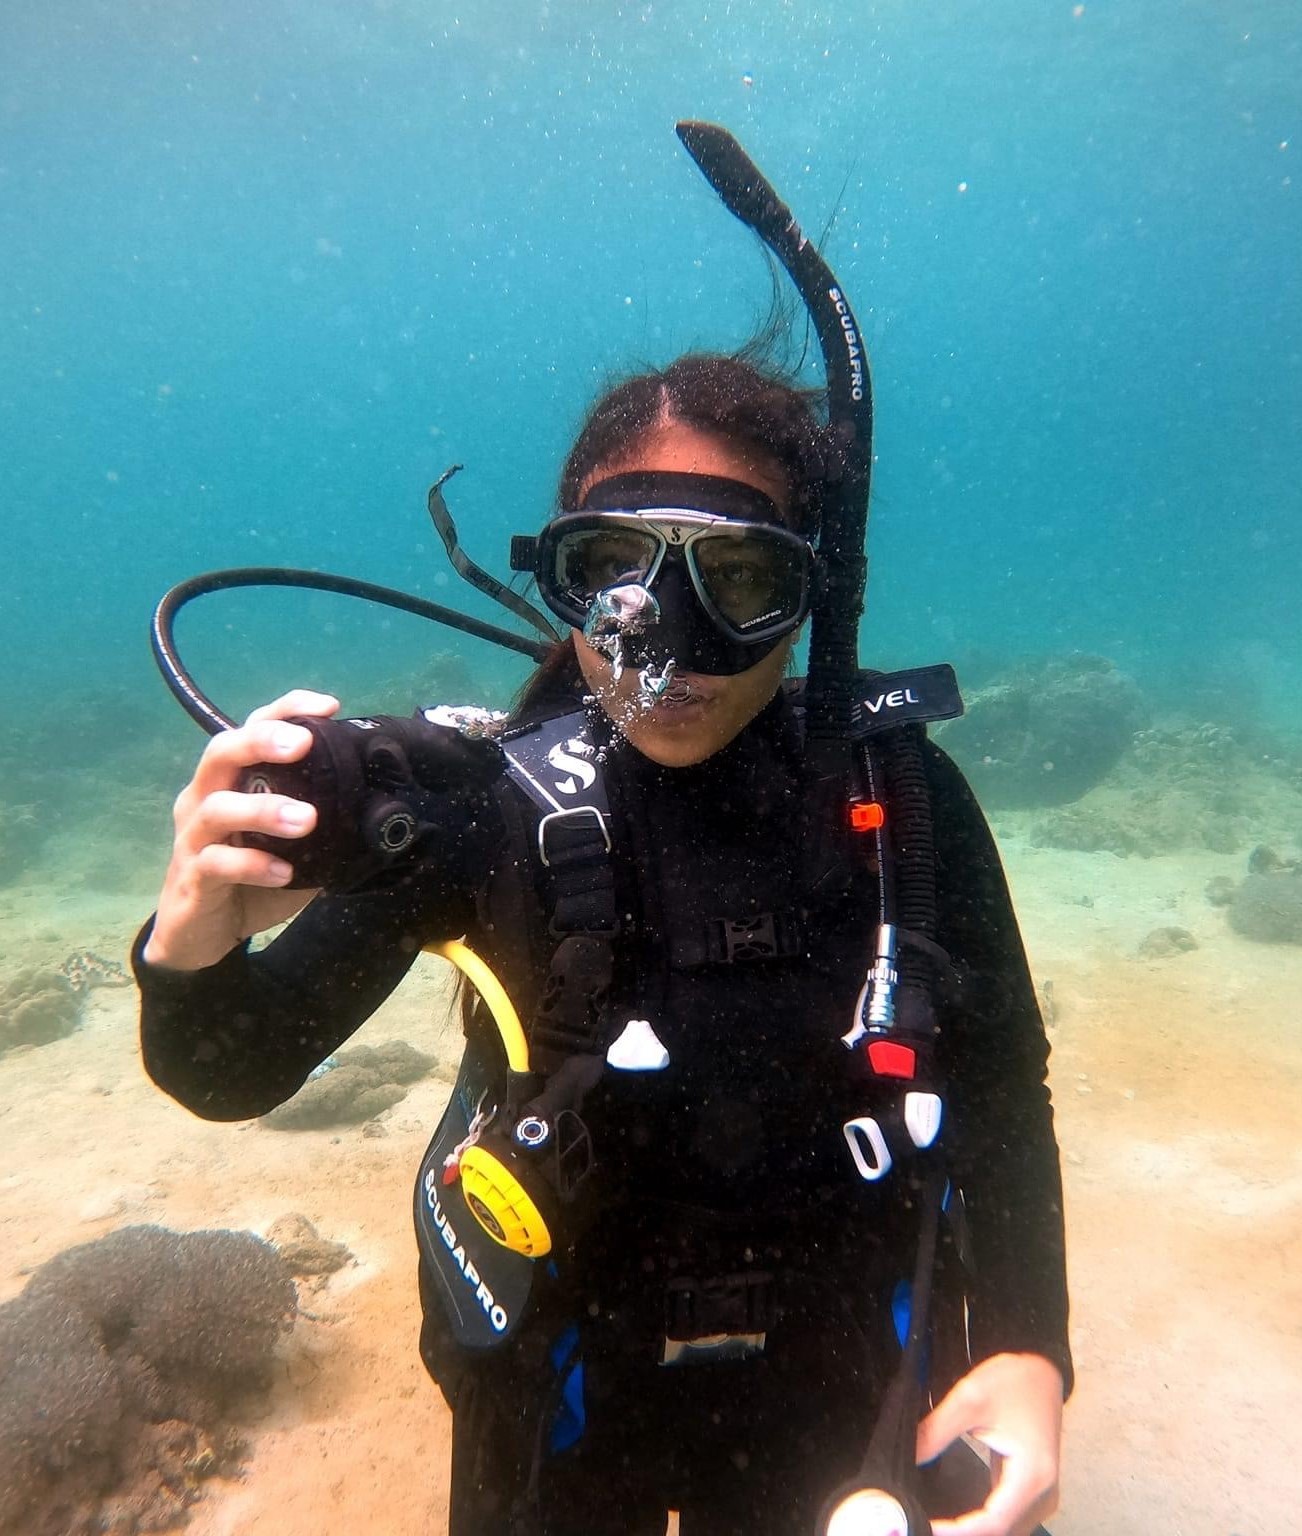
{"points": [[588, 559], [755, 580]]}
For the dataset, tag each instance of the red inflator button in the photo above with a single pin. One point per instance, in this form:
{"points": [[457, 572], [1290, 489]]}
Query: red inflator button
{"points": [[866, 816], [889, 1059]]}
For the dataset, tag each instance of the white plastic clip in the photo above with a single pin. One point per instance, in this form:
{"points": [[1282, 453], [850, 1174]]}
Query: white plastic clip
{"points": [[922, 1114], [864, 1136], [638, 1049]]}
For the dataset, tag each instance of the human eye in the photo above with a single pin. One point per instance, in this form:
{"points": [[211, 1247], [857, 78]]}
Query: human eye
{"points": [[740, 573], [605, 559]]}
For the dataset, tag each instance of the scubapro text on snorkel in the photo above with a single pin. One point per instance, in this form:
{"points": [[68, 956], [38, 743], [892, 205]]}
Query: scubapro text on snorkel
{"points": [[852, 348]]}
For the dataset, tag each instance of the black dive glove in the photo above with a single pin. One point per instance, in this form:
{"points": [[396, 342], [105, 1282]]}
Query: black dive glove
{"points": [[379, 784]]}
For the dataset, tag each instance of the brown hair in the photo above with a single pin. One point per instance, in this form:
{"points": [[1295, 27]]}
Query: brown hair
{"points": [[727, 395], [736, 396]]}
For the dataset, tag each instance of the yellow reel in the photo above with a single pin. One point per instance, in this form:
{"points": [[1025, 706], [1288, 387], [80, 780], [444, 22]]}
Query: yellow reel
{"points": [[501, 1204]]}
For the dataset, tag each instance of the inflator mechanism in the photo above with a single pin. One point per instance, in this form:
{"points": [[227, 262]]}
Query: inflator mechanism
{"points": [[888, 1051]]}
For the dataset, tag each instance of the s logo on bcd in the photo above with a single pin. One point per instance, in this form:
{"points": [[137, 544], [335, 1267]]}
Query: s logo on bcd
{"points": [[570, 765]]}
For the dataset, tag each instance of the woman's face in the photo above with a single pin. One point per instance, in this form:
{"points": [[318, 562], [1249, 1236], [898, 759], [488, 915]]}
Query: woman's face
{"points": [[679, 733]]}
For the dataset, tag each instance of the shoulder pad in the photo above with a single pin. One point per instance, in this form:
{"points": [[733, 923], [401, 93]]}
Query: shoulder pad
{"points": [[469, 719], [912, 697], [889, 699], [559, 768]]}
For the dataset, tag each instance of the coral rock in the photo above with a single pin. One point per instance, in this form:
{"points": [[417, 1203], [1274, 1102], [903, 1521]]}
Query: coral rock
{"points": [[1045, 733], [367, 1081], [1268, 908], [1161, 943], [304, 1251], [118, 1363], [36, 1007]]}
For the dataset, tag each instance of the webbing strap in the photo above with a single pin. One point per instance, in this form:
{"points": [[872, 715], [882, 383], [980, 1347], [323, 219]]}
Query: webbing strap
{"points": [[556, 766], [577, 859]]}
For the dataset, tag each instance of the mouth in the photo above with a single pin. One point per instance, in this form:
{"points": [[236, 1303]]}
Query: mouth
{"points": [[683, 693], [679, 691], [681, 697]]}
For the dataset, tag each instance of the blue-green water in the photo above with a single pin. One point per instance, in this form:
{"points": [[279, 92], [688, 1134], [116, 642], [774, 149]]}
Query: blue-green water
{"points": [[269, 268]]}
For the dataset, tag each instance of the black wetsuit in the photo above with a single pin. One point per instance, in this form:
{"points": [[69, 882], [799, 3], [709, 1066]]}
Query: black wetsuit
{"points": [[746, 1127]]}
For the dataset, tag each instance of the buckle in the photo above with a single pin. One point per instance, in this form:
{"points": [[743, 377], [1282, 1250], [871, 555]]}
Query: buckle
{"points": [[754, 938], [718, 1346], [552, 817], [729, 1306]]}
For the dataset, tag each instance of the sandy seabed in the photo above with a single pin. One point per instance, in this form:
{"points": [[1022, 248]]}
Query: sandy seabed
{"points": [[1178, 1085]]}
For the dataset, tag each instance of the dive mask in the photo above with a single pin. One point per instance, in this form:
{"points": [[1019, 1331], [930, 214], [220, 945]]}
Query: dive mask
{"points": [[694, 569]]}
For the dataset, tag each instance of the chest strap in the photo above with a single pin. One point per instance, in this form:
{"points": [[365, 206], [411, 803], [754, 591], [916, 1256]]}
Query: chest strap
{"points": [[555, 765], [735, 941]]}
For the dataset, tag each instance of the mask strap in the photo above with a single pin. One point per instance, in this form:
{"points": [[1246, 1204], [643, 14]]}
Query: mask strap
{"points": [[647, 488]]}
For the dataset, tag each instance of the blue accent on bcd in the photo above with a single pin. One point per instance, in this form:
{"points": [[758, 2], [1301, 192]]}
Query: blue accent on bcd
{"points": [[901, 1317], [901, 1311], [571, 1418]]}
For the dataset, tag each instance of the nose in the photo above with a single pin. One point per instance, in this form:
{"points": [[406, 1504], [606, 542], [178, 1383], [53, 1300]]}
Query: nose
{"points": [[675, 601]]}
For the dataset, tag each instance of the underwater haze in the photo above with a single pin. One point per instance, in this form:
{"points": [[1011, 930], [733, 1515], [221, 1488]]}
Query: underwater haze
{"points": [[270, 269]]}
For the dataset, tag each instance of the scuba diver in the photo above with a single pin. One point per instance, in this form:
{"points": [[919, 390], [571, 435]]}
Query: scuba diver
{"points": [[747, 1198]]}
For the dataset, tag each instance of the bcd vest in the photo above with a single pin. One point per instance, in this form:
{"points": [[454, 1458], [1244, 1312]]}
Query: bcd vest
{"points": [[702, 1025]]}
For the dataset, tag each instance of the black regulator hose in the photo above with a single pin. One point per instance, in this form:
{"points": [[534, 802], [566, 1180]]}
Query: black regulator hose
{"points": [[200, 707]]}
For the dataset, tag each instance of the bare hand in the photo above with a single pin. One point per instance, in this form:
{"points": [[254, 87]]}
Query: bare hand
{"points": [[1013, 1404], [214, 894]]}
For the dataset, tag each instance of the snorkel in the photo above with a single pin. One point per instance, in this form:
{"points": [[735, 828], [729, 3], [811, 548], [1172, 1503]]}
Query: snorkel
{"points": [[831, 705], [830, 694]]}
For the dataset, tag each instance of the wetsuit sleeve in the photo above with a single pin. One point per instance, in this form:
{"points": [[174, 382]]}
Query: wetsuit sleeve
{"points": [[995, 1056], [234, 1040]]}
